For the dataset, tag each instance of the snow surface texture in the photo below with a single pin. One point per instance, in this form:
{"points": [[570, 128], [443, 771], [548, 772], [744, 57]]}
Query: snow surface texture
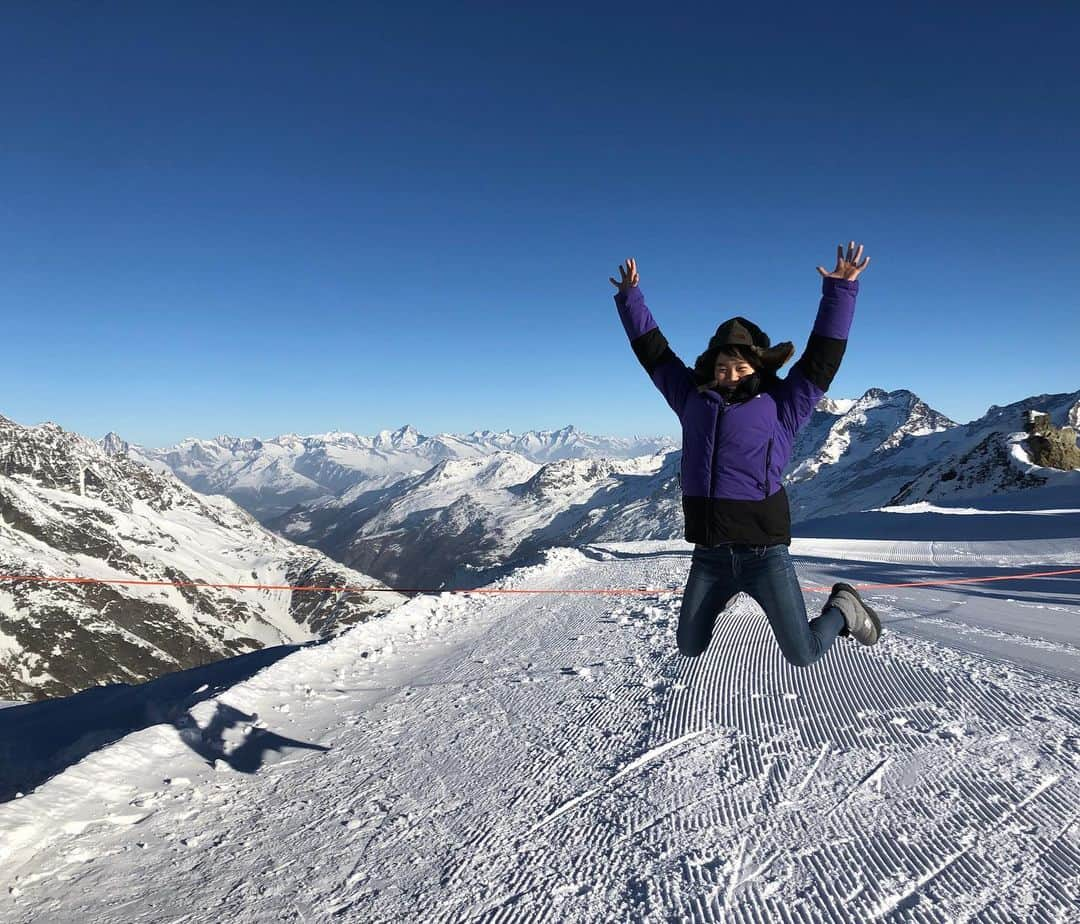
{"points": [[552, 758]]}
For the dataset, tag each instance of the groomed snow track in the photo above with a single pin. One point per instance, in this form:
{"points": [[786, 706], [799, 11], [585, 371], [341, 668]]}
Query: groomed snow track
{"points": [[559, 761]]}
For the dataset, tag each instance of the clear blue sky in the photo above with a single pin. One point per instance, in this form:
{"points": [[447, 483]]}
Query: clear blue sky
{"points": [[256, 218]]}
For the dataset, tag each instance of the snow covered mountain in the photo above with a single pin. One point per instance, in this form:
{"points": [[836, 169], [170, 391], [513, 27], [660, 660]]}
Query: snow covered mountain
{"points": [[989, 455], [268, 477], [836, 455], [70, 509], [466, 518], [927, 458], [845, 433]]}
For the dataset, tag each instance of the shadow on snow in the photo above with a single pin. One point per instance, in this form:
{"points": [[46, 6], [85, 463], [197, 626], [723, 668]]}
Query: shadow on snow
{"points": [[38, 740]]}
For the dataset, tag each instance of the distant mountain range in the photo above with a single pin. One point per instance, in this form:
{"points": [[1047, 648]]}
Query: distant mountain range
{"points": [[268, 477], [69, 509]]}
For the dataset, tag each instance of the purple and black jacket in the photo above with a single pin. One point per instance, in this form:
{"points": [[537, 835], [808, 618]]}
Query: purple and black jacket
{"points": [[734, 454]]}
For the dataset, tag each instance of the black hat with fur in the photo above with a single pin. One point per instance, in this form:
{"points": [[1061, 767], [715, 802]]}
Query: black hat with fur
{"points": [[742, 338]]}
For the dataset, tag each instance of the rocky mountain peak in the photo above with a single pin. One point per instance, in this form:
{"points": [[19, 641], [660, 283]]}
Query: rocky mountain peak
{"points": [[835, 406], [567, 475], [113, 445], [239, 444], [406, 437]]}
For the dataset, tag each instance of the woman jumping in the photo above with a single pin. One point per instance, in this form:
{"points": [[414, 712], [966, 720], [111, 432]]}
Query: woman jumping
{"points": [[739, 421]]}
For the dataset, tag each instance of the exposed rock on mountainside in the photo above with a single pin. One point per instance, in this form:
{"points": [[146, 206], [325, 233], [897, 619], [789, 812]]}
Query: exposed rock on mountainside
{"points": [[1050, 446]]}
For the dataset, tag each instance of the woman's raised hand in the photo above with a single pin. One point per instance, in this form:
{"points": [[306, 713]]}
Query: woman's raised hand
{"points": [[629, 276], [847, 267]]}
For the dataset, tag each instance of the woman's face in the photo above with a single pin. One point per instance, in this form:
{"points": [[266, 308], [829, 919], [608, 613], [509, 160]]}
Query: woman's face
{"points": [[730, 370]]}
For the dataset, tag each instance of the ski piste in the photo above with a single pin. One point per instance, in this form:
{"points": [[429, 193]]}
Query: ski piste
{"points": [[551, 758]]}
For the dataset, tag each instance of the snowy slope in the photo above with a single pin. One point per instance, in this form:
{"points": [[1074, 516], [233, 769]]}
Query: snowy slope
{"points": [[467, 518], [1049, 512], [552, 758], [929, 463], [68, 509], [988, 455], [267, 477], [890, 447], [842, 447]]}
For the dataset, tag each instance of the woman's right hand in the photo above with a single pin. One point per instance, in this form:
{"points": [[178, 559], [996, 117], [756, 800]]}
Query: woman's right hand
{"points": [[846, 267], [629, 276]]}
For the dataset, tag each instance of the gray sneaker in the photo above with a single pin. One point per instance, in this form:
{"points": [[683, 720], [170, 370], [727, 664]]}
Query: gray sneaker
{"points": [[860, 620]]}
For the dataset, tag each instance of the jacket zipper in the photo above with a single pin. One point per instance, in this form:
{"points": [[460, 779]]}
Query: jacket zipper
{"points": [[768, 465], [712, 474]]}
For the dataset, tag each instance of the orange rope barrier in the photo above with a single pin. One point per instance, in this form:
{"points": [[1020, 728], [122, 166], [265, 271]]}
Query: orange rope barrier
{"points": [[488, 590], [942, 583]]}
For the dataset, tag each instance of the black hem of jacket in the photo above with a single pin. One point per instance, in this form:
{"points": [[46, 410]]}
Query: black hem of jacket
{"points": [[712, 521]]}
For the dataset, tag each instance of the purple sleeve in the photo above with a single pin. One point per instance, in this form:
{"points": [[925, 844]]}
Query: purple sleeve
{"points": [[837, 307], [634, 313]]}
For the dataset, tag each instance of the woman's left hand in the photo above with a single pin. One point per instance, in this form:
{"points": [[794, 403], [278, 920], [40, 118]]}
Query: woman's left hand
{"points": [[628, 275], [847, 267]]}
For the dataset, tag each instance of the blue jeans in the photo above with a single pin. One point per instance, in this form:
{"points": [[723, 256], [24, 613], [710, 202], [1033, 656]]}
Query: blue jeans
{"points": [[766, 573]]}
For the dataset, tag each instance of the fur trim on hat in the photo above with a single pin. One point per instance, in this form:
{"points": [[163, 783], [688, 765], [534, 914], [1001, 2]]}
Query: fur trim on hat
{"points": [[769, 359], [774, 357]]}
